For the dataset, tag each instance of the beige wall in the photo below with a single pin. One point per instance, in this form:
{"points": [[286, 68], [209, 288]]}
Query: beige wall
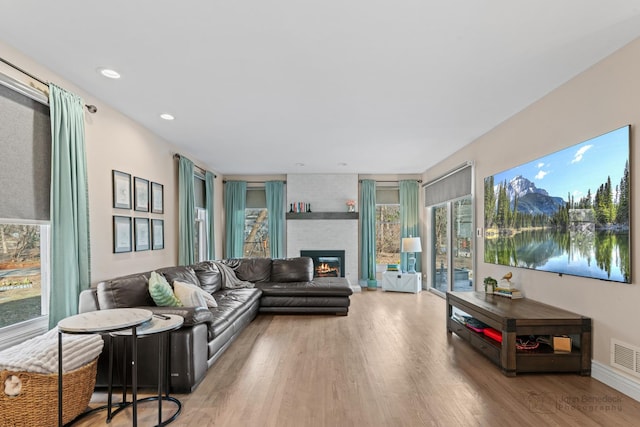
{"points": [[603, 98], [113, 141]]}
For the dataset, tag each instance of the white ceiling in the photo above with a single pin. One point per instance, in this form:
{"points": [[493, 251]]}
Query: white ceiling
{"points": [[258, 86]]}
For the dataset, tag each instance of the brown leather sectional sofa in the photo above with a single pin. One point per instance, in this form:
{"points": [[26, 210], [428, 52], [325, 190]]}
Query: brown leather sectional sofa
{"points": [[281, 286]]}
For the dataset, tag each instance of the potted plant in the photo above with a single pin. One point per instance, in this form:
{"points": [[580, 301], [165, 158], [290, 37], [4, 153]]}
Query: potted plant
{"points": [[489, 284]]}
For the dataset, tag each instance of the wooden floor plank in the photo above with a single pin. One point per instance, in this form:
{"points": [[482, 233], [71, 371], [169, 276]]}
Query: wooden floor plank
{"points": [[389, 362]]}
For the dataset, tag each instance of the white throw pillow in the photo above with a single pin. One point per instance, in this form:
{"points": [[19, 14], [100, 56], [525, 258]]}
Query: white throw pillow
{"points": [[193, 296], [188, 296]]}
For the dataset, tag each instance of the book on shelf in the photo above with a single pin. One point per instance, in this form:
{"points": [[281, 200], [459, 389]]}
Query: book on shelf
{"points": [[509, 293]]}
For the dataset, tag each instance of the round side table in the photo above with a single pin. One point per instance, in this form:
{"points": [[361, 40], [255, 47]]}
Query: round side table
{"points": [[94, 322], [160, 325]]}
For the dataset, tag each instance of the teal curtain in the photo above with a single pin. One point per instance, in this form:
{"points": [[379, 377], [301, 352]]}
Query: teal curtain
{"points": [[368, 229], [186, 213], [209, 205], [70, 249], [235, 198], [275, 207], [409, 217]]}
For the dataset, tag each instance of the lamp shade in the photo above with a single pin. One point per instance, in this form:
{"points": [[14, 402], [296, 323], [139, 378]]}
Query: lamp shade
{"points": [[411, 244]]}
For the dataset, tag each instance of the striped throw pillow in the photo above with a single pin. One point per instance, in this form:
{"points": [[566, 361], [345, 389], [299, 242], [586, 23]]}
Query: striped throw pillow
{"points": [[161, 291]]}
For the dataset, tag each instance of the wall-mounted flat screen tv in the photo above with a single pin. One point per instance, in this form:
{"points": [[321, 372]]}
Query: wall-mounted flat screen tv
{"points": [[566, 213]]}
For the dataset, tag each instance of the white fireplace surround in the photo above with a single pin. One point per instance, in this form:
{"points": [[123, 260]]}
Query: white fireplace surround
{"points": [[325, 193]]}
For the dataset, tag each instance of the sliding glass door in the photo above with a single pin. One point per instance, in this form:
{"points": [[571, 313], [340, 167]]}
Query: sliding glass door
{"points": [[462, 244], [452, 246], [449, 204], [440, 239]]}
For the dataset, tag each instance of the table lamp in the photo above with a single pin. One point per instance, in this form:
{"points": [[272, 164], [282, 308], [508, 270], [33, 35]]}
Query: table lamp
{"points": [[411, 245]]}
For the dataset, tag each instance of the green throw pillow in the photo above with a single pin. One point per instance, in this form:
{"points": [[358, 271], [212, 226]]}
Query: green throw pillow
{"points": [[161, 291]]}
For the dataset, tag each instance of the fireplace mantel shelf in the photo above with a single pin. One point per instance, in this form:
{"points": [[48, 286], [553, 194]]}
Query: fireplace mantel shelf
{"points": [[322, 215]]}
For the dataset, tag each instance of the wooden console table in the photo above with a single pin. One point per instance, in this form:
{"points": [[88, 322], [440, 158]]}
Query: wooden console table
{"points": [[522, 317]]}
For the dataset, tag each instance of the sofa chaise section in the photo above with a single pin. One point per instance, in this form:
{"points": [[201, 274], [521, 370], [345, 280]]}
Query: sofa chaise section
{"points": [[288, 286]]}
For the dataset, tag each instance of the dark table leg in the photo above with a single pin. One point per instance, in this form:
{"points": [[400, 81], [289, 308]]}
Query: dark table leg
{"points": [[110, 384], [161, 370], [60, 378], [134, 374]]}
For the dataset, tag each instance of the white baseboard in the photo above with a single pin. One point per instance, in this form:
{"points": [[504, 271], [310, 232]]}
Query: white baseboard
{"points": [[616, 379], [355, 287]]}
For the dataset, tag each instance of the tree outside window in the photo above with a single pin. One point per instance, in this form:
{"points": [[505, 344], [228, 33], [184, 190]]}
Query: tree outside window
{"points": [[21, 287], [256, 233], [388, 234]]}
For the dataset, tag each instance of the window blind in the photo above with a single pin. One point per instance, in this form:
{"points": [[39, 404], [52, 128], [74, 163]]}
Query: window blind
{"points": [[199, 191], [25, 159], [451, 186], [256, 198], [387, 195]]}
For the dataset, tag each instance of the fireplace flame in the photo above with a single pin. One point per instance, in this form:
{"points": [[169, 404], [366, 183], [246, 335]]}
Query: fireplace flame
{"points": [[324, 269]]}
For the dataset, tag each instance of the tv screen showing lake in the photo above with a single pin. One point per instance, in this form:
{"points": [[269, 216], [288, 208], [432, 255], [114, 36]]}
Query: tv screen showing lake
{"points": [[565, 213]]}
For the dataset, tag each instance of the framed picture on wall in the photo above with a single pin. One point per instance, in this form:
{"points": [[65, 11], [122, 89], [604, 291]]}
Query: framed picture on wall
{"points": [[121, 234], [141, 192], [143, 238], [121, 190], [157, 227], [157, 198]]}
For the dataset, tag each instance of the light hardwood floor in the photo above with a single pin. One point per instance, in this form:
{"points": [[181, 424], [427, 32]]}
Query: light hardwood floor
{"points": [[389, 362]]}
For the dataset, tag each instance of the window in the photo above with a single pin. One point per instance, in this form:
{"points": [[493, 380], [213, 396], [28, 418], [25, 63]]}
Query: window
{"points": [[22, 297], [387, 233], [24, 229], [200, 238], [24, 281], [452, 240], [256, 225], [256, 233], [387, 224]]}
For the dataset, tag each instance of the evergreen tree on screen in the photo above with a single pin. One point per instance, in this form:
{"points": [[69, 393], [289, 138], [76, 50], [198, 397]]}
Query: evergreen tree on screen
{"points": [[622, 214], [489, 202]]}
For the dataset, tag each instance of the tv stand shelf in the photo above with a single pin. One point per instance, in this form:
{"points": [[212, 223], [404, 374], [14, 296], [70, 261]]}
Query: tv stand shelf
{"points": [[522, 317]]}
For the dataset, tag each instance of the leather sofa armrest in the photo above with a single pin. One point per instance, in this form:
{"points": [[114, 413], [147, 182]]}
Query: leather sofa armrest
{"points": [[192, 315]]}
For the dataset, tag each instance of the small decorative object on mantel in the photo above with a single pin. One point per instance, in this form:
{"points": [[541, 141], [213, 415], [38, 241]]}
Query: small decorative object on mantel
{"points": [[299, 207], [351, 205], [489, 284]]}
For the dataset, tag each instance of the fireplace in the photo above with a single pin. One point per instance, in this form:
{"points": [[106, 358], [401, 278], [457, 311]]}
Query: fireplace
{"points": [[326, 263]]}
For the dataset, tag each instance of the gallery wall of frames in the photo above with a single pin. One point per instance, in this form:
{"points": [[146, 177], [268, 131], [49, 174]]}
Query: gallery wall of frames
{"points": [[141, 226]]}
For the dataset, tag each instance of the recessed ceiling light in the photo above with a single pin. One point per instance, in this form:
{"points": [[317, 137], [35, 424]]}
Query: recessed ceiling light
{"points": [[166, 116], [109, 73]]}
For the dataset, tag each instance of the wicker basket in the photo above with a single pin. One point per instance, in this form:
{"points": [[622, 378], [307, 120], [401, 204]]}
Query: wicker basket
{"points": [[37, 402]]}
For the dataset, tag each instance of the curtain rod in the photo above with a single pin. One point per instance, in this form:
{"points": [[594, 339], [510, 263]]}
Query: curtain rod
{"points": [[395, 182], [90, 108], [177, 156], [256, 182]]}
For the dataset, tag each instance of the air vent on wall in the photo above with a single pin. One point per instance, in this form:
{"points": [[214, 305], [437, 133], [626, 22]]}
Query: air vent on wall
{"points": [[625, 357]]}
